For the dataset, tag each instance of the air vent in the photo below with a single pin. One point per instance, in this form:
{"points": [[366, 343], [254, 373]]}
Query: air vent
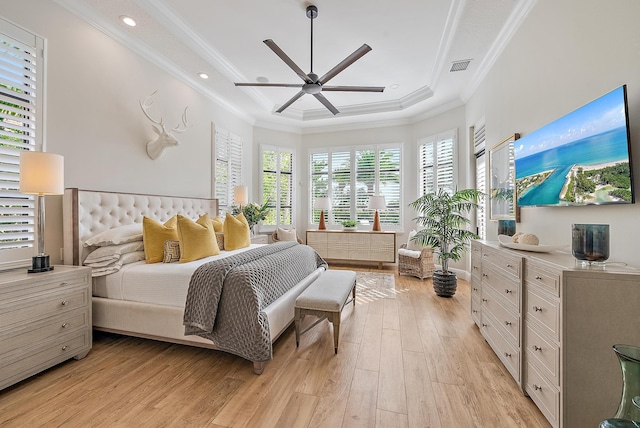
{"points": [[460, 65]]}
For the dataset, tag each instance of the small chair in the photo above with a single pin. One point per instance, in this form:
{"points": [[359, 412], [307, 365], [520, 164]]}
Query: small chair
{"points": [[415, 262], [274, 237]]}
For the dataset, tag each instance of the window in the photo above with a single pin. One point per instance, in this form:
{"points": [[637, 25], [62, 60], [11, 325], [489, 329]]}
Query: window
{"points": [[481, 178], [278, 185], [228, 167], [349, 177], [436, 163], [21, 68]]}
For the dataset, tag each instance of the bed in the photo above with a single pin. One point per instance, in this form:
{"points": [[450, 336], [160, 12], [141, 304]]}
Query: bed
{"points": [[148, 300]]}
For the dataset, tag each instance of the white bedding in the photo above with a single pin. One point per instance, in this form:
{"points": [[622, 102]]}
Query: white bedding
{"points": [[157, 283]]}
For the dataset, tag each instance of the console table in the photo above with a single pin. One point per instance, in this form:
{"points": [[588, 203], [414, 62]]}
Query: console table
{"points": [[361, 246], [553, 324]]}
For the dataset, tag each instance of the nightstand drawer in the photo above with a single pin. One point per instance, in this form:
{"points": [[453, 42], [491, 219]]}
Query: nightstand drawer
{"points": [[14, 341], [36, 360], [260, 239], [37, 284], [43, 306]]}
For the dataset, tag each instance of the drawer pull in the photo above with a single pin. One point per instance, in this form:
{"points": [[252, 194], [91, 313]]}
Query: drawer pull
{"points": [[506, 290], [485, 325], [475, 267], [475, 288], [537, 308], [485, 275], [475, 311], [537, 387], [65, 325], [507, 323], [65, 347], [509, 265], [508, 355], [65, 303], [537, 348], [538, 277], [484, 300], [64, 284]]}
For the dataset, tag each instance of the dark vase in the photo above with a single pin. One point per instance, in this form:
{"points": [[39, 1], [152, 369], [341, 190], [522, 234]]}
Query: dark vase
{"points": [[507, 227], [628, 414], [590, 242], [445, 284]]}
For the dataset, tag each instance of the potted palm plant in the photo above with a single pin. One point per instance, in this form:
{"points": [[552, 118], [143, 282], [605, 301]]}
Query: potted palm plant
{"points": [[443, 221]]}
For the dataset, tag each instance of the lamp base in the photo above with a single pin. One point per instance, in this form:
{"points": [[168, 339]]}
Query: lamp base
{"points": [[322, 225], [40, 264], [376, 223]]}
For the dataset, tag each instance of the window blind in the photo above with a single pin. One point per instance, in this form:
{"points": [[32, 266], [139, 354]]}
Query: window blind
{"points": [[319, 183], [21, 68], [228, 167], [436, 163], [278, 185]]}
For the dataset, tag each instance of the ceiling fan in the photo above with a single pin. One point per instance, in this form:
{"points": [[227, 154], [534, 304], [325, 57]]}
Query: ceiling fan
{"points": [[312, 84]]}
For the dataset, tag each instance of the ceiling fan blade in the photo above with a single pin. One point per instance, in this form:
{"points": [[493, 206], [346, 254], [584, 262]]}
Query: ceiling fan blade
{"points": [[326, 103], [354, 88], [291, 101], [345, 63], [275, 85], [283, 56]]}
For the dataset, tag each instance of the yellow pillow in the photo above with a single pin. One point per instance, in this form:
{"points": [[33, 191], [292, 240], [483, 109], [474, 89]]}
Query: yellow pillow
{"points": [[217, 223], [154, 234], [197, 239], [236, 232]]}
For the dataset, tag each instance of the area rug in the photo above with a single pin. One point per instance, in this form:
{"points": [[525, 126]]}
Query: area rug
{"points": [[374, 285]]}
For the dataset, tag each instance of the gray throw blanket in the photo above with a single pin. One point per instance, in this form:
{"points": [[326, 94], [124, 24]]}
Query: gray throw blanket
{"points": [[226, 297]]}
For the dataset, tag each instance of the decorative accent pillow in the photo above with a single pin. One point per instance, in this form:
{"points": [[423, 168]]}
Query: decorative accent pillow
{"points": [[412, 245], [197, 239], [220, 240], [102, 256], [287, 235], [117, 235], [171, 252], [135, 256], [154, 234], [236, 232], [217, 224]]}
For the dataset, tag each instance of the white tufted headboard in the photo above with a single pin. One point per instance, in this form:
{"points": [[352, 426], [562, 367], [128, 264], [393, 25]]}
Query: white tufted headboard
{"points": [[88, 212]]}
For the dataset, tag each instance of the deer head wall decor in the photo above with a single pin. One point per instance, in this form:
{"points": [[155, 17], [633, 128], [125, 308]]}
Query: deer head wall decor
{"points": [[165, 138]]}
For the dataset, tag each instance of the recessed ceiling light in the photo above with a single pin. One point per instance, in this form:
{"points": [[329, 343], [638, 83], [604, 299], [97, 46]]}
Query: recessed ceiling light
{"points": [[128, 20], [394, 86], [203, 75], [262, 79]]}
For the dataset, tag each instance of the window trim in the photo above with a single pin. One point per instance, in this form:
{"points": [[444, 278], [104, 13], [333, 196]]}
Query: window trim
{"points": [[278, 150], [434, 139]]}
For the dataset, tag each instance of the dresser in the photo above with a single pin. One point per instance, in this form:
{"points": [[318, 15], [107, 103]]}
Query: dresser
{"points": [[363, 246], [570, 317], [45, 319], [260, 239]]}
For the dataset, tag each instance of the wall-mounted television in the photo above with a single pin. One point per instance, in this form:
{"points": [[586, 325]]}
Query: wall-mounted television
{"points": [[583, 158]]}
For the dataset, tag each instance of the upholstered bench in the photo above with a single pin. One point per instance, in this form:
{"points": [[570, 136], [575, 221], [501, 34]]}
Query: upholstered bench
{"points": [[325, 298]]}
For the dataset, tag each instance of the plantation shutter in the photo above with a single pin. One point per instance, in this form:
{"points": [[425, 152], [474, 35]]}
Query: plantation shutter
{"points": [[21, 71], [366, 161], [444, 172], [277, 185], [481, 179], [285, 188], [437, 163], [319, 183], [389, 183], [341, 189], [228, 167]]}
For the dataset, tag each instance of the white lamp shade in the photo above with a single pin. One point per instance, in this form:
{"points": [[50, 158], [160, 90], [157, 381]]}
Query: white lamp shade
{"points": [[41, 173], [377, 203], [322, 203], [241, 195]]}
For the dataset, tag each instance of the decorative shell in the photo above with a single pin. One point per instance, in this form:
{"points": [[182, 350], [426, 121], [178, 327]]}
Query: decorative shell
{"points": [[528, 239], [515, 237]]}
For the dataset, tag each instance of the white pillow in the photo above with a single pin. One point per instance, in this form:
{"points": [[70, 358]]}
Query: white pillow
{"points": [[114, 267], [117, 235], [102, 256], [287, 235], [411, 245]]}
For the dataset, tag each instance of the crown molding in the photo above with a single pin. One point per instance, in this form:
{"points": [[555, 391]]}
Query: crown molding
{"points": [[520, 12], [448, 35]]}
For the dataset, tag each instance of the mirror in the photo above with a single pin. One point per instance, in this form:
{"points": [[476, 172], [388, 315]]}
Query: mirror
{"points": [[502, 180]]}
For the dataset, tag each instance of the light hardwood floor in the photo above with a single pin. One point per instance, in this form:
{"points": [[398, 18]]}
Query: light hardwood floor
{"points": [[413, 361]]}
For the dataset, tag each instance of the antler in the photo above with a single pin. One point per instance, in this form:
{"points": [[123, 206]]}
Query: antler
{"points": [[144, 105], [184, 122]]}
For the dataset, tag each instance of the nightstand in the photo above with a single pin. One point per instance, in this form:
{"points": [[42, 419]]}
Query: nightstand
{"points": [[260, 239], [45, 319]]}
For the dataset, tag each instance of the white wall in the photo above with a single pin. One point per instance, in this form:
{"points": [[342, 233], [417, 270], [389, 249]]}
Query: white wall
{"points": [[564, 55], [93, 118]]}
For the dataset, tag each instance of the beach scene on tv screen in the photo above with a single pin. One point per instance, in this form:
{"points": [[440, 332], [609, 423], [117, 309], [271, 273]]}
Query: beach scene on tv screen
{"points": [[580, 159]]}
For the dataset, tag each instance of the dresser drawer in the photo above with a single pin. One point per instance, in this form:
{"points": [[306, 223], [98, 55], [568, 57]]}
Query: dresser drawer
{"points": [[14, 341], [509, 322], [545, 311], [506, 263], [545, 279], [506, 287], [43, 306], [546, 397], [52, 282], [50, 353], [544, 354], [508, 354]]}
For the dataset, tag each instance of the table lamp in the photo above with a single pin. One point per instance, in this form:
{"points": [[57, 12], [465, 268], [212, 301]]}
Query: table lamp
{"points": [[41, 174], [241, 195], [377, 203], [322, 203]]}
